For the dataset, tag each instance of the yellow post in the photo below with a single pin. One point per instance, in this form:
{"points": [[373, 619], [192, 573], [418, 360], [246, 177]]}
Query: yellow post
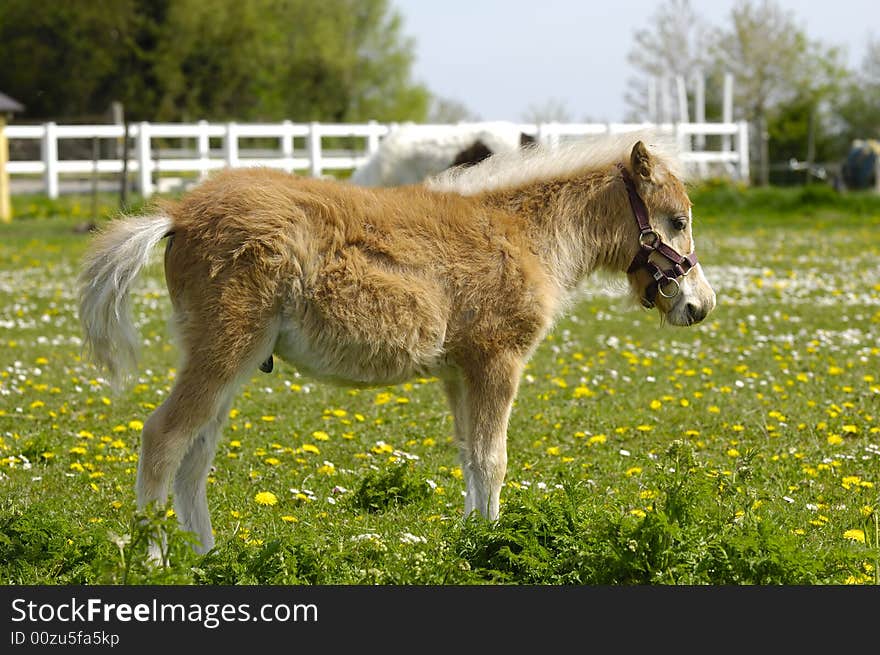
{"points": [[5, 204]]}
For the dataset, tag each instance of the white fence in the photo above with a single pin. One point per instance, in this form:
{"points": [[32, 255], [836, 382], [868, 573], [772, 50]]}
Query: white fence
{"points": [[300, 147]]}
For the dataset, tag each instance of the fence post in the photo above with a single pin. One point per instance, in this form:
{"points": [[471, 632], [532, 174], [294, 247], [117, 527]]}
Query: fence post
{"points": [[145, 159], [743, 147], [548, 135], [877, 174], [372, 138], [49, 155], [287, 145], [204, 146], [5, 203], [727, 109], [230, 145], [314, 145]]}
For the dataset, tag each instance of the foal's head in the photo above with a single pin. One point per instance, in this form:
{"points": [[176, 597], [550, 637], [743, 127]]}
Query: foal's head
{"points": [[664, 272]]}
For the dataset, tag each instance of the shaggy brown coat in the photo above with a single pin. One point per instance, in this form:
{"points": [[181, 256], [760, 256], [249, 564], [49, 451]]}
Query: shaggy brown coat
{"points": [[370, 287]]}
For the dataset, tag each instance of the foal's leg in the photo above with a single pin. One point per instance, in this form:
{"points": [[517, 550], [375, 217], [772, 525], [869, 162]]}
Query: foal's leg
{"points": [[170, 433], [181, 435], [190, 482], [489, 393], [455, 394]]}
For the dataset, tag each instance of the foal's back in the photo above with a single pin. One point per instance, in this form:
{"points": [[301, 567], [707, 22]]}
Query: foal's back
{"points": [[367, 286]]}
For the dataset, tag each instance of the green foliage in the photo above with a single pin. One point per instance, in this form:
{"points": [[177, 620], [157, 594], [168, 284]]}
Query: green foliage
{"points": [[721, 197], [39, 546], [246, 60], [398, 484], [276, 562], [689, 535]]}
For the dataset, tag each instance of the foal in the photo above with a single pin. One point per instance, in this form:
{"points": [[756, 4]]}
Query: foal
{"points": [[459, 278]]}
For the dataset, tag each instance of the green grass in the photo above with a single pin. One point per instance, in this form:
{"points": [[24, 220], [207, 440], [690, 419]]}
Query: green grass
{"points": [[745, 450]]}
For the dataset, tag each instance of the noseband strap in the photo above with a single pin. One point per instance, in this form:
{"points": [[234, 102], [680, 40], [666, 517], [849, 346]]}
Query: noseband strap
{"points": [[664, 281]]}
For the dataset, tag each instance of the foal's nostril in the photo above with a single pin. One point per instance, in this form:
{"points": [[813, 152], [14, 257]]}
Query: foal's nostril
{"points": [[695, 313]]}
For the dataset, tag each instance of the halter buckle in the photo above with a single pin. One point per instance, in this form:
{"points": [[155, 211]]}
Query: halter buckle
{"points": [[649, 240]]}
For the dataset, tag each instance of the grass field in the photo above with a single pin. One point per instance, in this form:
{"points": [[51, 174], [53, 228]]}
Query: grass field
{"points": [[745, 450]]}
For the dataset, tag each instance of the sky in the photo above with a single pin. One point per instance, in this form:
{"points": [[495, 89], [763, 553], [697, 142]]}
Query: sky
{"points": [[501, 58]]}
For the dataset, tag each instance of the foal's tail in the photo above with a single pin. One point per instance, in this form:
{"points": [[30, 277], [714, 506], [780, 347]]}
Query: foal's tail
{"points": [[110, 266]]}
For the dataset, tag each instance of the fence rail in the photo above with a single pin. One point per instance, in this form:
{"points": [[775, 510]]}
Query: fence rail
{"points": [[147, 161]]}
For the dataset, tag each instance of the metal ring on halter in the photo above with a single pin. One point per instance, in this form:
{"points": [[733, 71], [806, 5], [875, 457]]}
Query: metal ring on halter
{"points": [[675, 291], [654, 239]]}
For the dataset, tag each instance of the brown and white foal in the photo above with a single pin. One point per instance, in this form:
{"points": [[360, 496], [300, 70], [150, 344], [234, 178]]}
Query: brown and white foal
{"points": [[459, 278]]}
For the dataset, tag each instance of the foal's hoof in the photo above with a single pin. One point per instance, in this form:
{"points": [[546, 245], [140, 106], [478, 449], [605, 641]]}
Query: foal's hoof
{"points": [[267, 366]]}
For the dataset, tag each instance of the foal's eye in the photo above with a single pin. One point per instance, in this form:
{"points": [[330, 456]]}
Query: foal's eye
{"points": [[680, 222]]}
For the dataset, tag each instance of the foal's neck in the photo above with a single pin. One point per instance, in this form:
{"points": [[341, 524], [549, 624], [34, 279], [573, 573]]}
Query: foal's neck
{"points": [[575, 224]]}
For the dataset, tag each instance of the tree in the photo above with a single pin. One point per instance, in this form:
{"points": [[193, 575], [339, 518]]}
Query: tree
{"points": [[335, 60], [62, 60], [676, 44], [550, 111], [857, 109], [449, 110], [763, 48]]}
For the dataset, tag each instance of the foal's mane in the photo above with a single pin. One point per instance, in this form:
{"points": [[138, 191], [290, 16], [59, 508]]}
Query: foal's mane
{"points": [[541, 163]]}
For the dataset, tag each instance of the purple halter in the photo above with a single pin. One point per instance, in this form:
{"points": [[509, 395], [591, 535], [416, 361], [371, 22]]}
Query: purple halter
{"points": [[650, 241]]}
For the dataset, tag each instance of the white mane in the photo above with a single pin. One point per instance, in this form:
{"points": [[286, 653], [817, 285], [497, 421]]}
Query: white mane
{"points": [[518, 167]]}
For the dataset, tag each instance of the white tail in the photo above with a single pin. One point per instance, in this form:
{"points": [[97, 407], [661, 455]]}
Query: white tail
{"points": [[111, 265]]}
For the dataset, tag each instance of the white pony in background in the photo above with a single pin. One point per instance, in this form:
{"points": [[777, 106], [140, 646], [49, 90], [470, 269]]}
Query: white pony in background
{"points": [[411, 153]]}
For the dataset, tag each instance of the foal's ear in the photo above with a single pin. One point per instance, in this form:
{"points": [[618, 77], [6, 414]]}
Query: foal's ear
{"points": [[641, 162]]}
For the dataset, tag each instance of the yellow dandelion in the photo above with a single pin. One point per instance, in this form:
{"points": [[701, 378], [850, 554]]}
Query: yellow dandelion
{"points": [[266, 498], [310, 448], [656, 404], [855, 535], [850, 480], [289, 519], [583, 392], [553, 450], [597, 438], [320, 435], [633, 470]]}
